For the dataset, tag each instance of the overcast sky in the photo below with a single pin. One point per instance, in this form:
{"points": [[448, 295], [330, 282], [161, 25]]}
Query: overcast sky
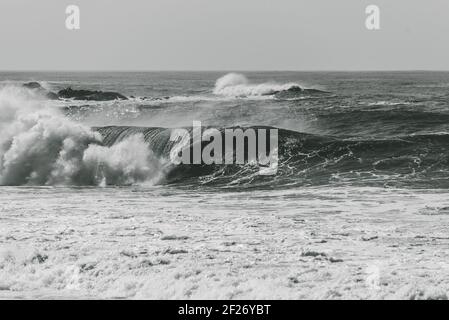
{"points": [[224, 35]]}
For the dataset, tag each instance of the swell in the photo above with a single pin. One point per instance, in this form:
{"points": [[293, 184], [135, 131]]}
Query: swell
{"points": [[397, 122]]}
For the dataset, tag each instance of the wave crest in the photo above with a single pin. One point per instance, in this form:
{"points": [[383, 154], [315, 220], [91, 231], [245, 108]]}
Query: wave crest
{"points": [[237, 85]]}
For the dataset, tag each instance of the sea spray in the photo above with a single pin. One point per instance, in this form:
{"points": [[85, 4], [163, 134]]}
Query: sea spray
{"points": [[237, 85], [39, 146]]}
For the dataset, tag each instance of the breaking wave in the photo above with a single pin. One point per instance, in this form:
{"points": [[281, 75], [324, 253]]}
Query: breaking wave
{"points": [[307, 159], [39, 146], [237, 85]]}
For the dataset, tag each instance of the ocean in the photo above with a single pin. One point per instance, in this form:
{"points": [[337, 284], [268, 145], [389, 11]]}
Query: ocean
{"points": [[91, 207]]}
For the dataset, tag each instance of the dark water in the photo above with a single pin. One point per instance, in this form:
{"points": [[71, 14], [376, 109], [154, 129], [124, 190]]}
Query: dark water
{"points": [[359, 129]]}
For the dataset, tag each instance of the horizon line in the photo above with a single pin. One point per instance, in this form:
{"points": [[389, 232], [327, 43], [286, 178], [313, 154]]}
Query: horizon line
{"points": [[228, 70]]}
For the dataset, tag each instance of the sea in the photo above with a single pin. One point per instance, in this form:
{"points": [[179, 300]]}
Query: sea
{"points": [[92, 207]]}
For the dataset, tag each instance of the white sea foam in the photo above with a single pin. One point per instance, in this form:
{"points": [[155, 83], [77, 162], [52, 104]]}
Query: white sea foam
{"points": [[386, 103], [39, 146], [237, 85], [317, 243]]}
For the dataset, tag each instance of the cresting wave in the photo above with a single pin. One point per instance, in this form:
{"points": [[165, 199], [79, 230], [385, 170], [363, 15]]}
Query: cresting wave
{"points": [[237, 85], [306, 159]]}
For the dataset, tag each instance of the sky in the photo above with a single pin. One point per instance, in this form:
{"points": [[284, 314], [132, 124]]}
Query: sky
{"points": [[224, 35]]}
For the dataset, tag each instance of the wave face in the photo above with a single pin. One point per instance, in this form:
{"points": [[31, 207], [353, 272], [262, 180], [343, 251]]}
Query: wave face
{"points": [[306, 159]]}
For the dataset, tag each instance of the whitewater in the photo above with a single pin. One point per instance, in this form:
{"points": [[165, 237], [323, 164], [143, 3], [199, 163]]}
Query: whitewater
{"points": [[91, 207]]}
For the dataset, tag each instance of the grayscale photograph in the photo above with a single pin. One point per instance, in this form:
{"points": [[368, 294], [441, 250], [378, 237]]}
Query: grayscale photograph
{"points": [[251, 150]]}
